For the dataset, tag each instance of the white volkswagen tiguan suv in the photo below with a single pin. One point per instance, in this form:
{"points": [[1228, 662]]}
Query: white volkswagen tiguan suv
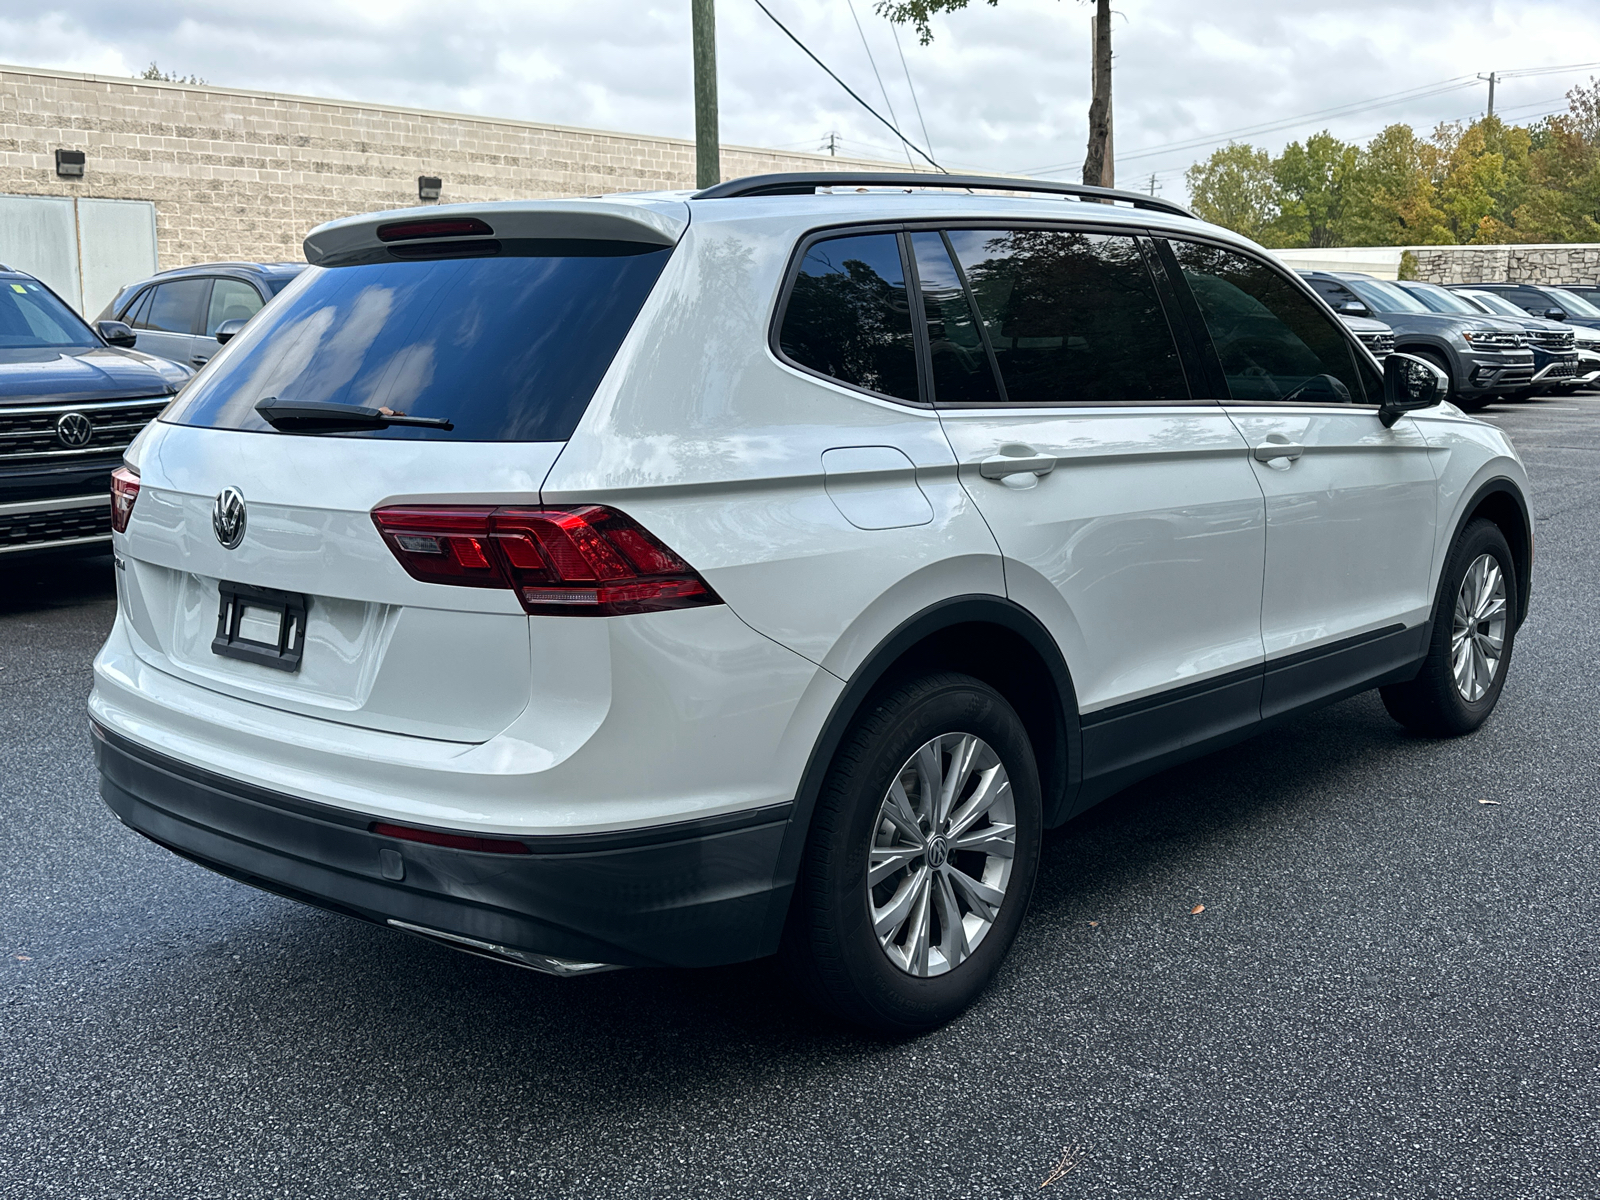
{"points": [[682, 579]]}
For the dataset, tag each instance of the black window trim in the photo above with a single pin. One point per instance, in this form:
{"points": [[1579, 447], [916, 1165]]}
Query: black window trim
{"points": [[138, 294], [1139, 233], [1210, 360]]}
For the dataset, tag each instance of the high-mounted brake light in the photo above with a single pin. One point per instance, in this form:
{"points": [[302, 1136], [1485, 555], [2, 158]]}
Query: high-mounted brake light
{"points": [[456, 841], [434, 227], [124, 491], [587, 560]]}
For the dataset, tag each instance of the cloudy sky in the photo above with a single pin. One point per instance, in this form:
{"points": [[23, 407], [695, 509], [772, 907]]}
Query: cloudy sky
{"points": [[1000, 89]]}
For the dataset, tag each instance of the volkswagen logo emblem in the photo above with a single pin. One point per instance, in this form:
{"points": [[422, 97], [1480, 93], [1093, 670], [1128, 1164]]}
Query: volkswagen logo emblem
{"points": [[227, 517], [74, 430]]}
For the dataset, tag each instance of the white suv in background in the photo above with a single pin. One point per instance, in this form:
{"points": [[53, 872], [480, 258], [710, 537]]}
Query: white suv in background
{"points": [[682, 579]]}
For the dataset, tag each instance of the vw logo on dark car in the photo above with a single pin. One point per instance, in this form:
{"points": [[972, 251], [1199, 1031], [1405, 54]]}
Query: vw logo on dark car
{"points": [[227, 517], [74, 430]]}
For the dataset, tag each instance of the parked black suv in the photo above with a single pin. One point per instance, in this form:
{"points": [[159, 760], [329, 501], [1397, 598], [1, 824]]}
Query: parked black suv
{"points": [[1541, 300], [1554, 346], [71, 399], [1484, 357], [178, 314]]}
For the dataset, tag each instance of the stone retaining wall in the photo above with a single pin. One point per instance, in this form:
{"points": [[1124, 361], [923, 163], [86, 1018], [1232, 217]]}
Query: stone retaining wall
{"points": [[238, 174], [1552, 264]]}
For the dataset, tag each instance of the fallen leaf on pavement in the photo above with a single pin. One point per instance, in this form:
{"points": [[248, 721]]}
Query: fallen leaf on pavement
{"points": [[1093, 923], [1198, 908]]}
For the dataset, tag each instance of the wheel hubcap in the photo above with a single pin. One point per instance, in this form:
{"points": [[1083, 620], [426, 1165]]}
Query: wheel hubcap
{"points": [[941, 854], [1478, 633]]}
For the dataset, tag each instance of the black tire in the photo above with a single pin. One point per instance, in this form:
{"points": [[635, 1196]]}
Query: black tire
{"points": [[1432, 704], [830, 947], [1452, 390]]}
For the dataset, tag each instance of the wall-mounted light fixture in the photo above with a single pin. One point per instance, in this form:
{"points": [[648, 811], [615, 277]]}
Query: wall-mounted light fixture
{"points": [[69, 163], [428, 187]]}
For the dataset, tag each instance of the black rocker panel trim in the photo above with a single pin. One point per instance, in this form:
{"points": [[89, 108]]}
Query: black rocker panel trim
{"points": [[1127, 742]]}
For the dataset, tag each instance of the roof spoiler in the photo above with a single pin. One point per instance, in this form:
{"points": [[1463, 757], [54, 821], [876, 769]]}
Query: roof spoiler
{"points": [[805, 182], [652, 223]]}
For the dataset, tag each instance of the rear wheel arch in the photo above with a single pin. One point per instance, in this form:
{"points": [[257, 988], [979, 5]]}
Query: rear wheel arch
{"points": [[990, 638]]}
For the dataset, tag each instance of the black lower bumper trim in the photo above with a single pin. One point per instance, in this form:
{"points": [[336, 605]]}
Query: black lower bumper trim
{"points": [[690, 894]]}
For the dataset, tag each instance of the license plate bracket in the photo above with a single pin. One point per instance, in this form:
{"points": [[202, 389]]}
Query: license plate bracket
{"points": [[261, 625]]}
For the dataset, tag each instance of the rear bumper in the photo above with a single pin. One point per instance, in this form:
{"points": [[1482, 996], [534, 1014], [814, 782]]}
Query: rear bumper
{"points": [[694, 893]]}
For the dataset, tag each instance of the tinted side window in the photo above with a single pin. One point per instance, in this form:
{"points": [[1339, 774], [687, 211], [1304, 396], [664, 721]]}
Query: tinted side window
{"points": [[174, 306], [231, 300], [135, 303], [1073, 317], [1274, 342], [849, 318], [1334, 293], [961, 370]]}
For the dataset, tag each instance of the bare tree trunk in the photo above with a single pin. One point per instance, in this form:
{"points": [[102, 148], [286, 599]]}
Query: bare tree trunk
{"points": [[1098, 167]]}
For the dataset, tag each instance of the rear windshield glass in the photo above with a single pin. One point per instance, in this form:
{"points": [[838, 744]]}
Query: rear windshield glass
{"points": [[508, 348]]}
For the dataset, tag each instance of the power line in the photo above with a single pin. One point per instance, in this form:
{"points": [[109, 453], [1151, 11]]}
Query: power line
{"points": [[894, 32], [847, 87], [1352, 108], [873, 63]]}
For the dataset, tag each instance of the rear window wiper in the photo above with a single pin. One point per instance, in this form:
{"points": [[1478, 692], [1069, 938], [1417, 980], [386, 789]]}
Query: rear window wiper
{"points": [[295, 416]]}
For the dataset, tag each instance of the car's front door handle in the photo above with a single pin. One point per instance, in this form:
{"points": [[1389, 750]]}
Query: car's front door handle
{"points": [[200, 360], [1269, 450], [1017, 466]]}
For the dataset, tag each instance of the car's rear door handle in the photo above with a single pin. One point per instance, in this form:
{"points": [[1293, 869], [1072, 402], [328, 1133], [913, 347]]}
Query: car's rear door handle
{"points": [[1269, 450], [1014, 462]]}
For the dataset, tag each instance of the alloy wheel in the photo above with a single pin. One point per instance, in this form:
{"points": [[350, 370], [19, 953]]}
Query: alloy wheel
{"points": [[1478, 634], [942, 850]]}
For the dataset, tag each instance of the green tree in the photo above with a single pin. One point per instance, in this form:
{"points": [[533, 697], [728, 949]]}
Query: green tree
{"points": [[1393, 201], [1234, 188], [1313, 185]]}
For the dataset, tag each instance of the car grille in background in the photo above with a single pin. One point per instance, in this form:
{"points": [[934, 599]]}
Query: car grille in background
{"points": [[58, 432], [1381, 344], [1553, 339], [61, 525]]}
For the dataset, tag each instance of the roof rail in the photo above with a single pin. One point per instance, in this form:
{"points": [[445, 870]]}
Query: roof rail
{"points": [[802, 182]]}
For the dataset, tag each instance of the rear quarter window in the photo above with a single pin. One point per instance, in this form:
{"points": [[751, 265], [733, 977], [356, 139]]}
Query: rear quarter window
{"points": [[507, 348]]}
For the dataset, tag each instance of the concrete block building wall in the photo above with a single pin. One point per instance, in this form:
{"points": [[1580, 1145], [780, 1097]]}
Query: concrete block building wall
{"points": [[238, 174]]}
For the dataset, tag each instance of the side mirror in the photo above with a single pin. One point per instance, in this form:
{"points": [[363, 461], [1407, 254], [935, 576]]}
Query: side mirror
{"points": [[117, 333], [1555, 314], [1354, 308], [227, 329], [1410, 383]]}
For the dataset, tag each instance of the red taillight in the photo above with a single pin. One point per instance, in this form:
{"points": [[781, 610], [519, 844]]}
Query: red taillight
{"points": [[436, 227], [124, 491], [582, 561], [456, 841]]}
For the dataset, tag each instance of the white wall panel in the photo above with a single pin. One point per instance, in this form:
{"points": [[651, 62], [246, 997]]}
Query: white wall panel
{"points": [[38, 234], [117, 246]]}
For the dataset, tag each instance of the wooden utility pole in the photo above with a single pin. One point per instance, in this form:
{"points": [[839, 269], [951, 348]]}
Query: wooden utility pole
{"points": [[707, 156], [1098, 165]]}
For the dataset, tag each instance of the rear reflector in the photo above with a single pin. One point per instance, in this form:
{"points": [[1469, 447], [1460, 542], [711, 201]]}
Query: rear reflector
{"points": [[456, 841], [587, 560], [124, 491], [437, 227]]}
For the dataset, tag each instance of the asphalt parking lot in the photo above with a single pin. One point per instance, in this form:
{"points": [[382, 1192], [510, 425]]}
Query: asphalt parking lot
{"points": [[1391, 989]]}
